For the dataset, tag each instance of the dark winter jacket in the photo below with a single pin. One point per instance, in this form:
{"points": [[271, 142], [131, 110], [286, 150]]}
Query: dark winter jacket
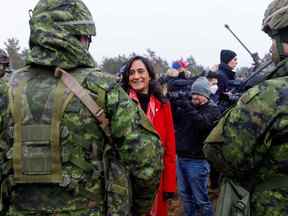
{"points": [[196, 124], [225, 75], [179, 92], [226, 79]]}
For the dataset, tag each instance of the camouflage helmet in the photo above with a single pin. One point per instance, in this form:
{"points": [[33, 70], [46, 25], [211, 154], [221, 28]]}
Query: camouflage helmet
{"points": [[4, 59], [55, 30], [72, 15], [275, 22]]}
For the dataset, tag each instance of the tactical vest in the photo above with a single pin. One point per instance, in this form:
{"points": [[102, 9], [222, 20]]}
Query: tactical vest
{"points": [[37, 154]]}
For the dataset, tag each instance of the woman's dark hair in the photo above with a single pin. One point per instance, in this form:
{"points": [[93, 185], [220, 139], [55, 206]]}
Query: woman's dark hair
{"points": [[154, 85]]}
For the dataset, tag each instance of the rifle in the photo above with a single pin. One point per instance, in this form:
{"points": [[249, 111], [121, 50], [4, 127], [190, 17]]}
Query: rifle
{"points": [[254, 56], [241, 86], [256, 77]]}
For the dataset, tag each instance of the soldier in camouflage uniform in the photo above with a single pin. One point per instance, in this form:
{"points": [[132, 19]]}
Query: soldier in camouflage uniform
{"points": [[54, 156], [250, 144]]}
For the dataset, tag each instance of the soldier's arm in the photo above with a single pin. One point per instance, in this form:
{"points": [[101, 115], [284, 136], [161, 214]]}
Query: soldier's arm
{"points": [[139, 148], [241, 138]]}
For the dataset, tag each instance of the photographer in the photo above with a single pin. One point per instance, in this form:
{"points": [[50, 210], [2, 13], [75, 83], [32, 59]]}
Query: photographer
{"points": [[198, 117]]}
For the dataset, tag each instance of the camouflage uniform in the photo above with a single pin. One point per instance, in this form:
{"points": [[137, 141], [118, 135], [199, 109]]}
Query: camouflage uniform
{"points": [[250, 144], [39, 176]]}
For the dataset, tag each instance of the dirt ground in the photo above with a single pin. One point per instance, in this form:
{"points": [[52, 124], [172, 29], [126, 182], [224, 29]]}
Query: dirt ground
{"points": [[176, 208]]}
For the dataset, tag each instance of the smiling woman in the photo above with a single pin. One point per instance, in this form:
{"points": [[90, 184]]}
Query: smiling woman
{"points": [[140, 83], [139, 77]]}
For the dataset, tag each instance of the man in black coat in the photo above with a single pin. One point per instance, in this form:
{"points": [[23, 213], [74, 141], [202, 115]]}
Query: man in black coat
{"points": [[198, 117]]}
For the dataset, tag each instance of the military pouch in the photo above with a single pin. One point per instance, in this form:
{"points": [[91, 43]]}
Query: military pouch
{"points": [[118, 190], [233, 200], [36, 150], [34, 156]]}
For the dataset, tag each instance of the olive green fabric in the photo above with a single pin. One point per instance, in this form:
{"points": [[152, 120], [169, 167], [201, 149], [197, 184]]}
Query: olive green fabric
{"points": [[233, 200], [253, 148], [276, 15], [55, 28]]}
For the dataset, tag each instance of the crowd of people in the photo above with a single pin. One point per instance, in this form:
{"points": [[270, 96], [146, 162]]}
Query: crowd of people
{"points": [[185, 116], [75, 141]]}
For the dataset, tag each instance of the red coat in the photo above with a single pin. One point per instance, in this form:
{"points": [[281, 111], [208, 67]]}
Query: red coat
{"points": [[161, 118]]}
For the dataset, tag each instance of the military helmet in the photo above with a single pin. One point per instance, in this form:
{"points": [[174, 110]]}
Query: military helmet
{"points": [[3, 57], [56, 27], [275, 22], [72, 15]]}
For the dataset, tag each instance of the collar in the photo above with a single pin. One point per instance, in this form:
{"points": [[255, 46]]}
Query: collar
{"points": [[227, 71], [151, 109]]}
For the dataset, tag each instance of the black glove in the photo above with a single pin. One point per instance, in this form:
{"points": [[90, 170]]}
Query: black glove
{"points": [[229, 97], [224, 96], [168, 195]]}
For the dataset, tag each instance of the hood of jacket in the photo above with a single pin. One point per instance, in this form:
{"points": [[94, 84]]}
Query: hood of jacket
{"points": [[55, 28]]}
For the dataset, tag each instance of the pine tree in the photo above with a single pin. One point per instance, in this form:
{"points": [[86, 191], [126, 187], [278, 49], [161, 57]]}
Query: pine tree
{"points": [[14, 51]]}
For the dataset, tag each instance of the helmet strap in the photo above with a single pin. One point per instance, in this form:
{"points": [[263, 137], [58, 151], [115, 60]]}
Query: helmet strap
{"points": [[279, 47]]}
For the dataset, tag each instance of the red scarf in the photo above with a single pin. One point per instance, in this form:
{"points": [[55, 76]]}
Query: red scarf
{"points": [[151, 108]]}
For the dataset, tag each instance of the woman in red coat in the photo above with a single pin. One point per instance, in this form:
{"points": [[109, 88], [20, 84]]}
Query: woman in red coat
{"points": [[138, 79]]}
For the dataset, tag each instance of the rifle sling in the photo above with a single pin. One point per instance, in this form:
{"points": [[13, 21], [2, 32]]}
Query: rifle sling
{"points": [[71, 83]]}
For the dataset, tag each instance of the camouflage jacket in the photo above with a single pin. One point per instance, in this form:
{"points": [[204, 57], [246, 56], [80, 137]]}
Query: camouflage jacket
{"points": [[81, 190], [250, 143]]}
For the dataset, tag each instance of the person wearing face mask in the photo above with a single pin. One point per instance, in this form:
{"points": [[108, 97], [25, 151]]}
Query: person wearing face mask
{"points": [[213, 85], [193, 169], [139, 81], [249, 145]]}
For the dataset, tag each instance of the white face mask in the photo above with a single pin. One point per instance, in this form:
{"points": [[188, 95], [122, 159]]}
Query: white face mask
{"points": [[213, 89]]}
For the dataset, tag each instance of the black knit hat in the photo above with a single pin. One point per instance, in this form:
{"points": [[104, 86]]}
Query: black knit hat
{"points": [[226, 56]]}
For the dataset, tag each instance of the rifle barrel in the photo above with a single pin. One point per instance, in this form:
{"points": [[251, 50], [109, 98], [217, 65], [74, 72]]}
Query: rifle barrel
{"points": [[245, 47]]}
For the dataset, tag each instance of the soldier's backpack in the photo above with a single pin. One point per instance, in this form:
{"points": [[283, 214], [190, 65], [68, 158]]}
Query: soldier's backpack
{"points": [[41, 161]]}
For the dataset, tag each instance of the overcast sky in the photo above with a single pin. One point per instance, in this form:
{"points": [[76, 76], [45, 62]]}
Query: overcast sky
{"points": [[172, 28]]}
